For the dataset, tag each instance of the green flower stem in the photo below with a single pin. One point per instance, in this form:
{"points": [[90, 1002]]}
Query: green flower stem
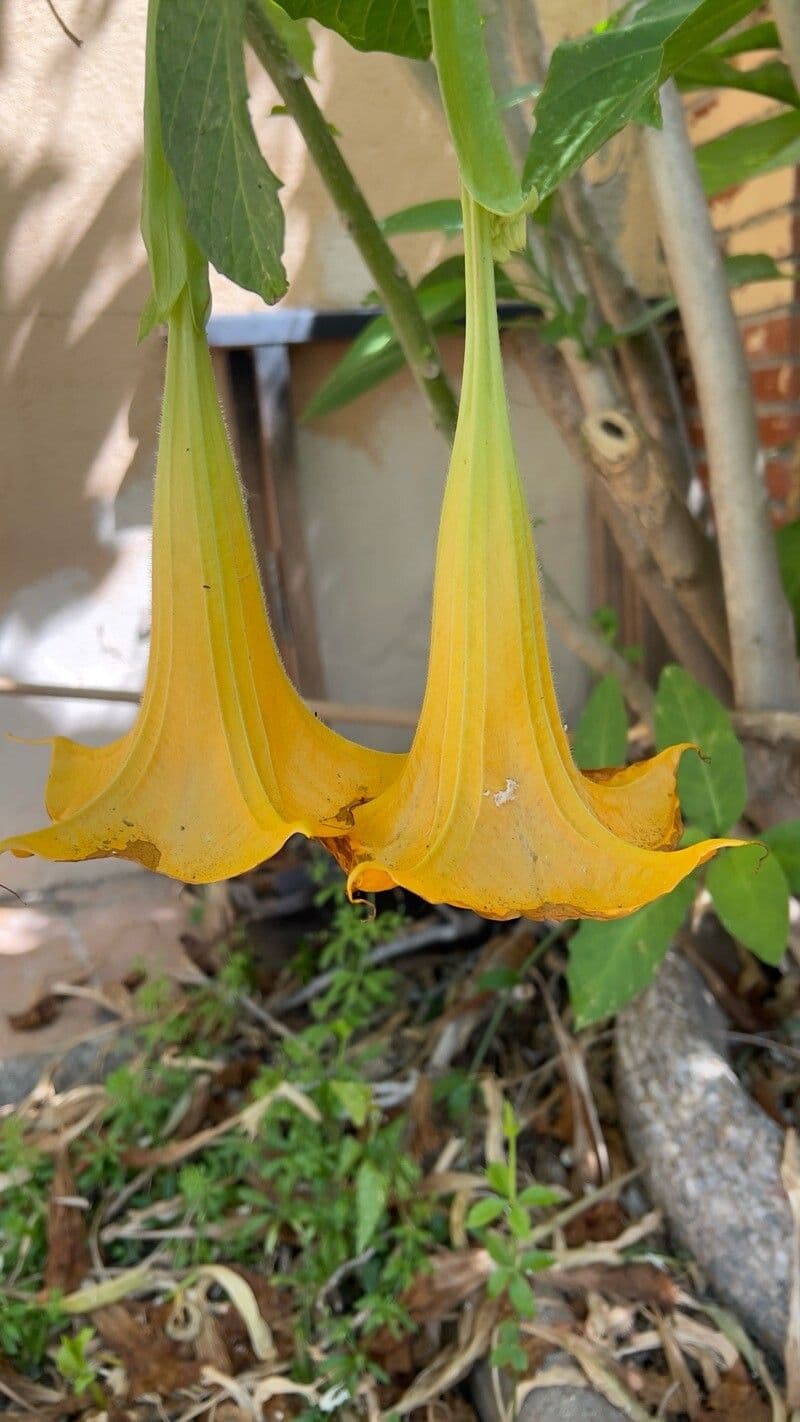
{"points": [[414, 334]]}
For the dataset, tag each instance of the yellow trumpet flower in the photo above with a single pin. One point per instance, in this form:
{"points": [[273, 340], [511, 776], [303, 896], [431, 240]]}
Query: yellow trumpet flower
{"points": [[489, 811], [224, 761]]}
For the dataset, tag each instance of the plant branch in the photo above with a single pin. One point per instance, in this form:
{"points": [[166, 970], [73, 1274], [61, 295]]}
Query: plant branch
{"points": [[562, 400], [413, 332], [646, 469], [595, 652], [762, 637]]}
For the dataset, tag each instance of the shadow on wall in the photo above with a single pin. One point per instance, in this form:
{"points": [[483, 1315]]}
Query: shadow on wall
{"points": [[65, 384], [79, 401]]}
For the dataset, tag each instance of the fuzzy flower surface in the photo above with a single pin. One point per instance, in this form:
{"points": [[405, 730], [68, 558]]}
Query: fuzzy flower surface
{"points": [[489, 811], [224, 761]]}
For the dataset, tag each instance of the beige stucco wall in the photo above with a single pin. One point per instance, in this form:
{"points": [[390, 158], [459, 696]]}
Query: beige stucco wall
{"points": [[79, 399]]}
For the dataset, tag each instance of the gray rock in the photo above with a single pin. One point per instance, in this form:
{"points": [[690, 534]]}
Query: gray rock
{"points": [[566, 1402], [712, 1156], [83, 1064]]}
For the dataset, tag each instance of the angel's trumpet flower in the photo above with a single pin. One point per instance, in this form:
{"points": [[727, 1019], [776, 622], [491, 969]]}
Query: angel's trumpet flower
{"points": [[489, 811], [224, 761]]}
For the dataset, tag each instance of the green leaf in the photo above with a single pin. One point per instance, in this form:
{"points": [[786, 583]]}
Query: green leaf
{"points": [[535, 1259], [748, 151], [229, 193], [355, 1099], [441, 215], [538, 1197], [521, 1295], [496, 1282], [372, 1191], [710, 70], [599, 83], [401, 27], [751, 897], [499, 1177], [293, 34], [712, 785], [744, 267], [704, 24], [500, 1251], [610, 961], [484, 1212], [784, 842], [518, 1220], [601, 735], [788, 540], [484, 158], [375, 353], [761, 36], [498, 980]]}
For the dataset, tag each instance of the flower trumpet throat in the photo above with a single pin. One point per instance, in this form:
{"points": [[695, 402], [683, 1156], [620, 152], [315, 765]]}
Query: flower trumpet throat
{"points": [[224, 760], [489, 811]]}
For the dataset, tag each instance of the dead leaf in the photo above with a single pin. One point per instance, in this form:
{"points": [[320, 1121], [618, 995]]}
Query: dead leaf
{"points": [[425, 1138], [152, 1362], [67, 1252], [599, 1222], [39, 1014], [632, 1283], [737, 1399]]}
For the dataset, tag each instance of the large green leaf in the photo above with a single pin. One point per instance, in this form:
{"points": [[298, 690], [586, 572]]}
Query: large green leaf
{"points": [[441, 215], [784, 842], [751, 897], [601, 735], [597, 84], [376, 354], [773, 78], [748, 151], [788, 540], [396, 26], [712, 785], [763, 35], [611, 961], [229, 193], [703, 24]]}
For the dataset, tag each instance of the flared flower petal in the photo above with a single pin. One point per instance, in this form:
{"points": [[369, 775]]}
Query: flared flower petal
{"points": [[489, 811], [224, 761]]}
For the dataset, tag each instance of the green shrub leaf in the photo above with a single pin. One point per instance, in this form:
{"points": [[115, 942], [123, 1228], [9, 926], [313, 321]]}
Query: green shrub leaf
{"points": [[401, 27], [372, 1191], [229, 193], [601, 735], [712, 784], [751, 897], [442, 215], [748, 151], [784, 842], [484, 1212], [376, 354], [599, 83], [611, 961], [788, 539]]}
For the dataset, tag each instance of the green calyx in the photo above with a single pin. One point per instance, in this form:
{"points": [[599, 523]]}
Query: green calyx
{"points": [[487, 168], [174, 258]]}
